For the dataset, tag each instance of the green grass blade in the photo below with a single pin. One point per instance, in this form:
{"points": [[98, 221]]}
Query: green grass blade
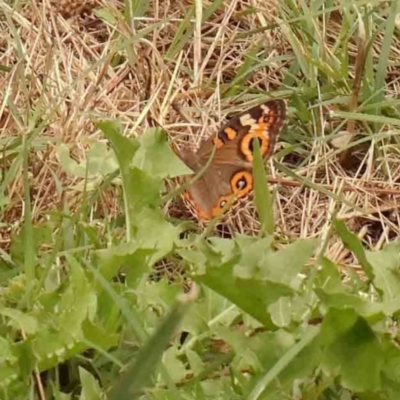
{"points": [[133, 380], [185, 31], [262, 195], [272, 374], [385, 50], [378, 119], [135, 8], [182, 35], [250, 63], [353, 243], [129, 313], [29, 247]]}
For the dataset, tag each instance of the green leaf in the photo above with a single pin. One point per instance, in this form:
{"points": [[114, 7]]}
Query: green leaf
{"points": [[156, 157], [176, 368], [391, 367], [352, 350], [185, 30], [353, 243], [385, 265], [21, 320], [90, 387], [68, 163], [136, 376], [124, 150], [280, 312], [328, 276], [212, 307], [111, 260], [271, 374], [251, 295], [283, 266], [101, 160], [253, 253], [258, 352], [368, 309], [142, 191]]}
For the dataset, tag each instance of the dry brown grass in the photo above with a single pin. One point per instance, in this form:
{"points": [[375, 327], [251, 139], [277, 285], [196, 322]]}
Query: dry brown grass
{"points": [[64, 76]]}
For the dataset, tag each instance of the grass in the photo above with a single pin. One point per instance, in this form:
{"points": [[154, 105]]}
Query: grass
{"points": [[110, 289]]}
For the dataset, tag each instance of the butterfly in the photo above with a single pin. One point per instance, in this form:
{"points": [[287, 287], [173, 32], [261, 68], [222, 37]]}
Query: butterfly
{"points": [[229, 155]]}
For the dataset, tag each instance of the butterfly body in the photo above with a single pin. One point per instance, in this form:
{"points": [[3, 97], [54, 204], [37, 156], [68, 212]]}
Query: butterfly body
{"points": [[228, 157]]}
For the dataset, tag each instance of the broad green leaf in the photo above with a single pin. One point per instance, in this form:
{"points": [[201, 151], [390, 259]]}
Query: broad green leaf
{"points": [[42, 234], [130, 313], [305, 362], [175, 366], [328, 276], [391, 368], [212, 308], [106, 15], [124, 149], [385, 265], [9, 373], [353, 243], [101, 160], [142, 192], [251, 295], [195, 362], [20, 320], [352, 350], [155, 232], [156, 157], [271, 374], [253, 252], [159, 294], [283, 266], [90, 386], [368, 309], [69, 164], [280, 312], [111, 260]]}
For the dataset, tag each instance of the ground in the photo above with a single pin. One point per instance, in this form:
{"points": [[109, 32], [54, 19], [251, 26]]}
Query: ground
{"points": [[185, 67]]}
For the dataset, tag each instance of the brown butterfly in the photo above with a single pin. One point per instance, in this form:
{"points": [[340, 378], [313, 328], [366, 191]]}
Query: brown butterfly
{"points": [[229, 173]]}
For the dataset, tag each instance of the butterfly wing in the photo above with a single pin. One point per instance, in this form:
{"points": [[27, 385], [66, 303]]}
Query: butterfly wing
{"points": [[234, 141], [228, 174]]}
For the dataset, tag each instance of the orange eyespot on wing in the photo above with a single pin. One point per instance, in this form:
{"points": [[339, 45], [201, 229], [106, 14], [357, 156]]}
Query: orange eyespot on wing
{"points": [[222, 202], [260, 132], [265, 122], [242, 183]]}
